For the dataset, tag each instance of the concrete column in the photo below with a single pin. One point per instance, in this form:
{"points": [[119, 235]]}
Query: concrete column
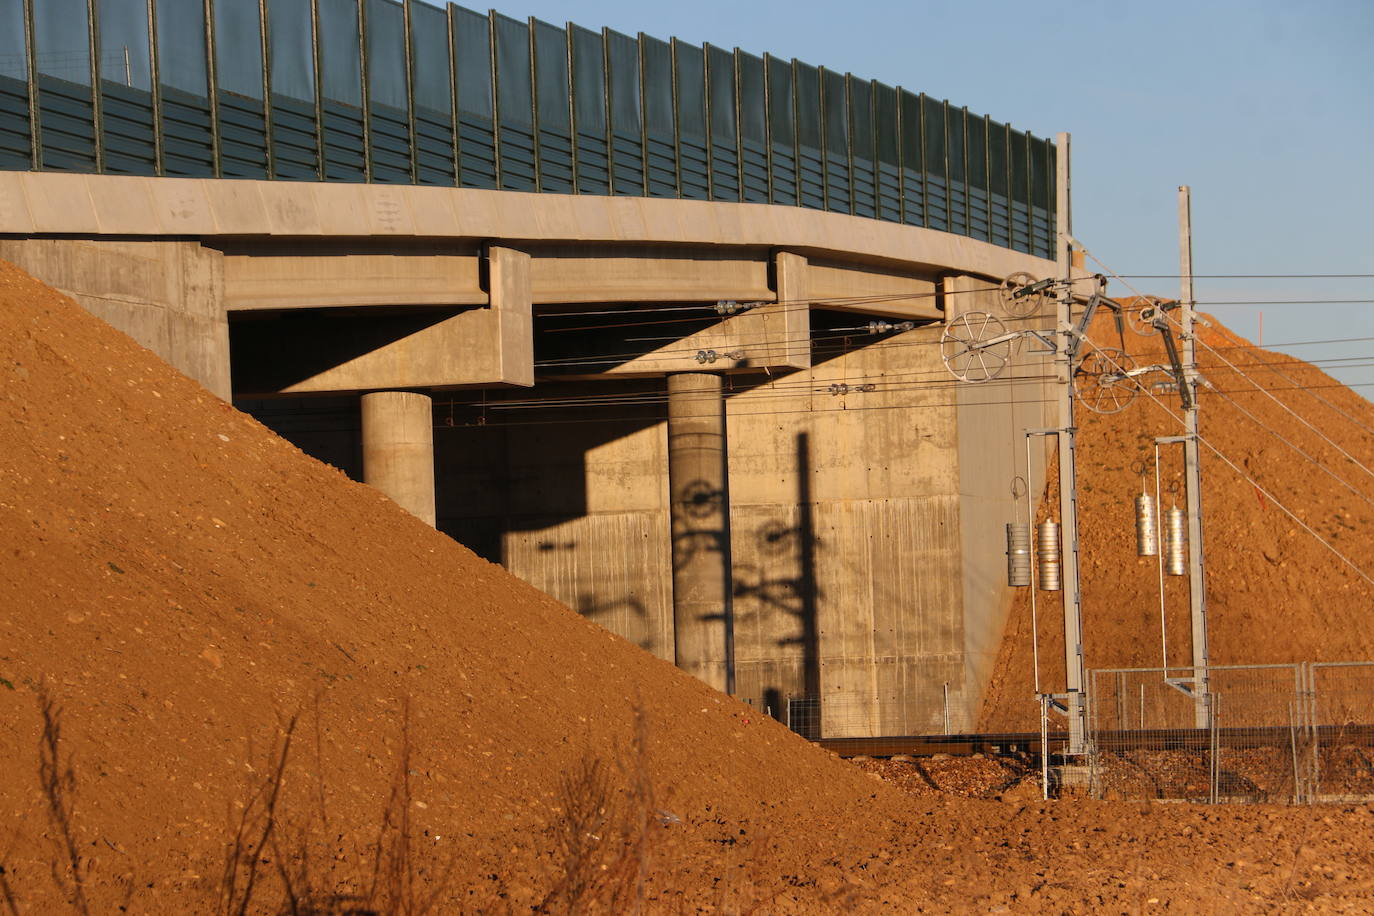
{"points": [[700, 515], [398, 449]]}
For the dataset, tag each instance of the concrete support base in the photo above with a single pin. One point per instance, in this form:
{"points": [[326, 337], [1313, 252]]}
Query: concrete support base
{"points": [[398, 449], [699, 509]]}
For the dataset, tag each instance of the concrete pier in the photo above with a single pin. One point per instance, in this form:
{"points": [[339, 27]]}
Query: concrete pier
{"points": [[398, 449], [699, 511]]}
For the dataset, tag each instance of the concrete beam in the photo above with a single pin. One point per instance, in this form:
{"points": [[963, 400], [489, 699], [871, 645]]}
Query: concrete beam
{"points": [[872, 290], [260, 275], [759, 338], [792, 291], [620, 273], [398, 449], [508, 272]]}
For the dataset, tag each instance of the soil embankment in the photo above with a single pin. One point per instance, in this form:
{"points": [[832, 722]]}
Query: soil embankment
{"points": [[183, 585]]}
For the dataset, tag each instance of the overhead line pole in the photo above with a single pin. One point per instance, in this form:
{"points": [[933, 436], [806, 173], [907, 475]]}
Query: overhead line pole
{"points": [[1197, 580], [1068, 476]]}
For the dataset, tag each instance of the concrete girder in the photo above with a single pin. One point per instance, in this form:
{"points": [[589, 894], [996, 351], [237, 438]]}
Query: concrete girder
{"points": [[276, 275]]}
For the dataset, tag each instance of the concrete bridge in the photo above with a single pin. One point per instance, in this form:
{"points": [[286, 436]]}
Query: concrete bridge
{"points": [[721, 427], [431, 341]]}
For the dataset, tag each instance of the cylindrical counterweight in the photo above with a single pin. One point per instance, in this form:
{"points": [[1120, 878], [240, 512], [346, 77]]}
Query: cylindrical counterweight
{"points": [[1175, 542], [1047, 547], [1018, 554], [1146, 535]]}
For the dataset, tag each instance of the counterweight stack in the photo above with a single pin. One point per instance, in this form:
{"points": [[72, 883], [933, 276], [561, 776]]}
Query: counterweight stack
{"points": [[1176, 542], [1047, 549], [1018, 554], [1146, 534]]}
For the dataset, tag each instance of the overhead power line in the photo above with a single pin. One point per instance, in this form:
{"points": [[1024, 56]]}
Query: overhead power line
{"points": [[1297, 416], [1247, 276], [1285, 302], [1216, 451]]}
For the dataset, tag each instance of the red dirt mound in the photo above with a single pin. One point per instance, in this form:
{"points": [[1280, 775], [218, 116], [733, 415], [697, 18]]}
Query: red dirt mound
{"points": [[1275, 593], [180, 583]]}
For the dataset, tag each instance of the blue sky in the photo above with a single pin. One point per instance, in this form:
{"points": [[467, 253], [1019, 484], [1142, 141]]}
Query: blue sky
{"points": [[1265, 108]]}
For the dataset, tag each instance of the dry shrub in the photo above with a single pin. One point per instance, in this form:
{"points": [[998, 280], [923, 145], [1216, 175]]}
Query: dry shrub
{"points": [[605, 834], [253, 830], [270, 830]]}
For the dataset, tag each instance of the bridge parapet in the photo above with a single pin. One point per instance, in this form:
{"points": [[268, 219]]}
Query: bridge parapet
{"points": [[411, 93]]}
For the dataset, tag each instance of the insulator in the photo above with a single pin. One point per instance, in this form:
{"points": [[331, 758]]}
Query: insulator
{"points": [[1175, 542], [1146, 534], [1047, 548], [1018, 554]]}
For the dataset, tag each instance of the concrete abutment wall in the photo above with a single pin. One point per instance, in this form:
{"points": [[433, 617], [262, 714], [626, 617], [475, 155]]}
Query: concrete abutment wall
{"points": [[168, 295]]}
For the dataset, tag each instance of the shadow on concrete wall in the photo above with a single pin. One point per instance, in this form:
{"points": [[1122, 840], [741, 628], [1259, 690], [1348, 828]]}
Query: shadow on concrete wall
{"points": [[504, 465], [791, 550], [273, 351], [594, 608], [701, 530], [325, 428]]}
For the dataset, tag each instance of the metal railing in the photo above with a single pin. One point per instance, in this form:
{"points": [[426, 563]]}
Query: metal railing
{"points": [[414, 93]]}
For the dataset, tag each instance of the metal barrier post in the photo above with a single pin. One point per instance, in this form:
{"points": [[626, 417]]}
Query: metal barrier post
{"points": [[1044, 747]]}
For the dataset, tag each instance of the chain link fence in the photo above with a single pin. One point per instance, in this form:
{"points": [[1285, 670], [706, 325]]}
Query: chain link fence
{"points": [[1233, 733], [1339, 763]]}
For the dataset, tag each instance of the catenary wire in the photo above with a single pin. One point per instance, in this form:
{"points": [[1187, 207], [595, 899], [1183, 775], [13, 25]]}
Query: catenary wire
{"points": [[1299, 417], [1275, 500], [1242, 374], [1247, 276], [1288, 442], [1273, 367]]}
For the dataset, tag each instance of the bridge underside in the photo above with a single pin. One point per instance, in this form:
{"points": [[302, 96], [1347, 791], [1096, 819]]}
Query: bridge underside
{"points": [[671, 415]]}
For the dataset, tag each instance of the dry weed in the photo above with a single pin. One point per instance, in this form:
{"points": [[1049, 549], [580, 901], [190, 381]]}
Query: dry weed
{"points": [[269, 829], [57, 777], [605, 837], [253, 830]]}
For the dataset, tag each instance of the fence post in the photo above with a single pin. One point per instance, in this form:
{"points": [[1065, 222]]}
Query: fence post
{"points": [[1214, 765], [1044, 748], [1293, 746], [1314, 772]]}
